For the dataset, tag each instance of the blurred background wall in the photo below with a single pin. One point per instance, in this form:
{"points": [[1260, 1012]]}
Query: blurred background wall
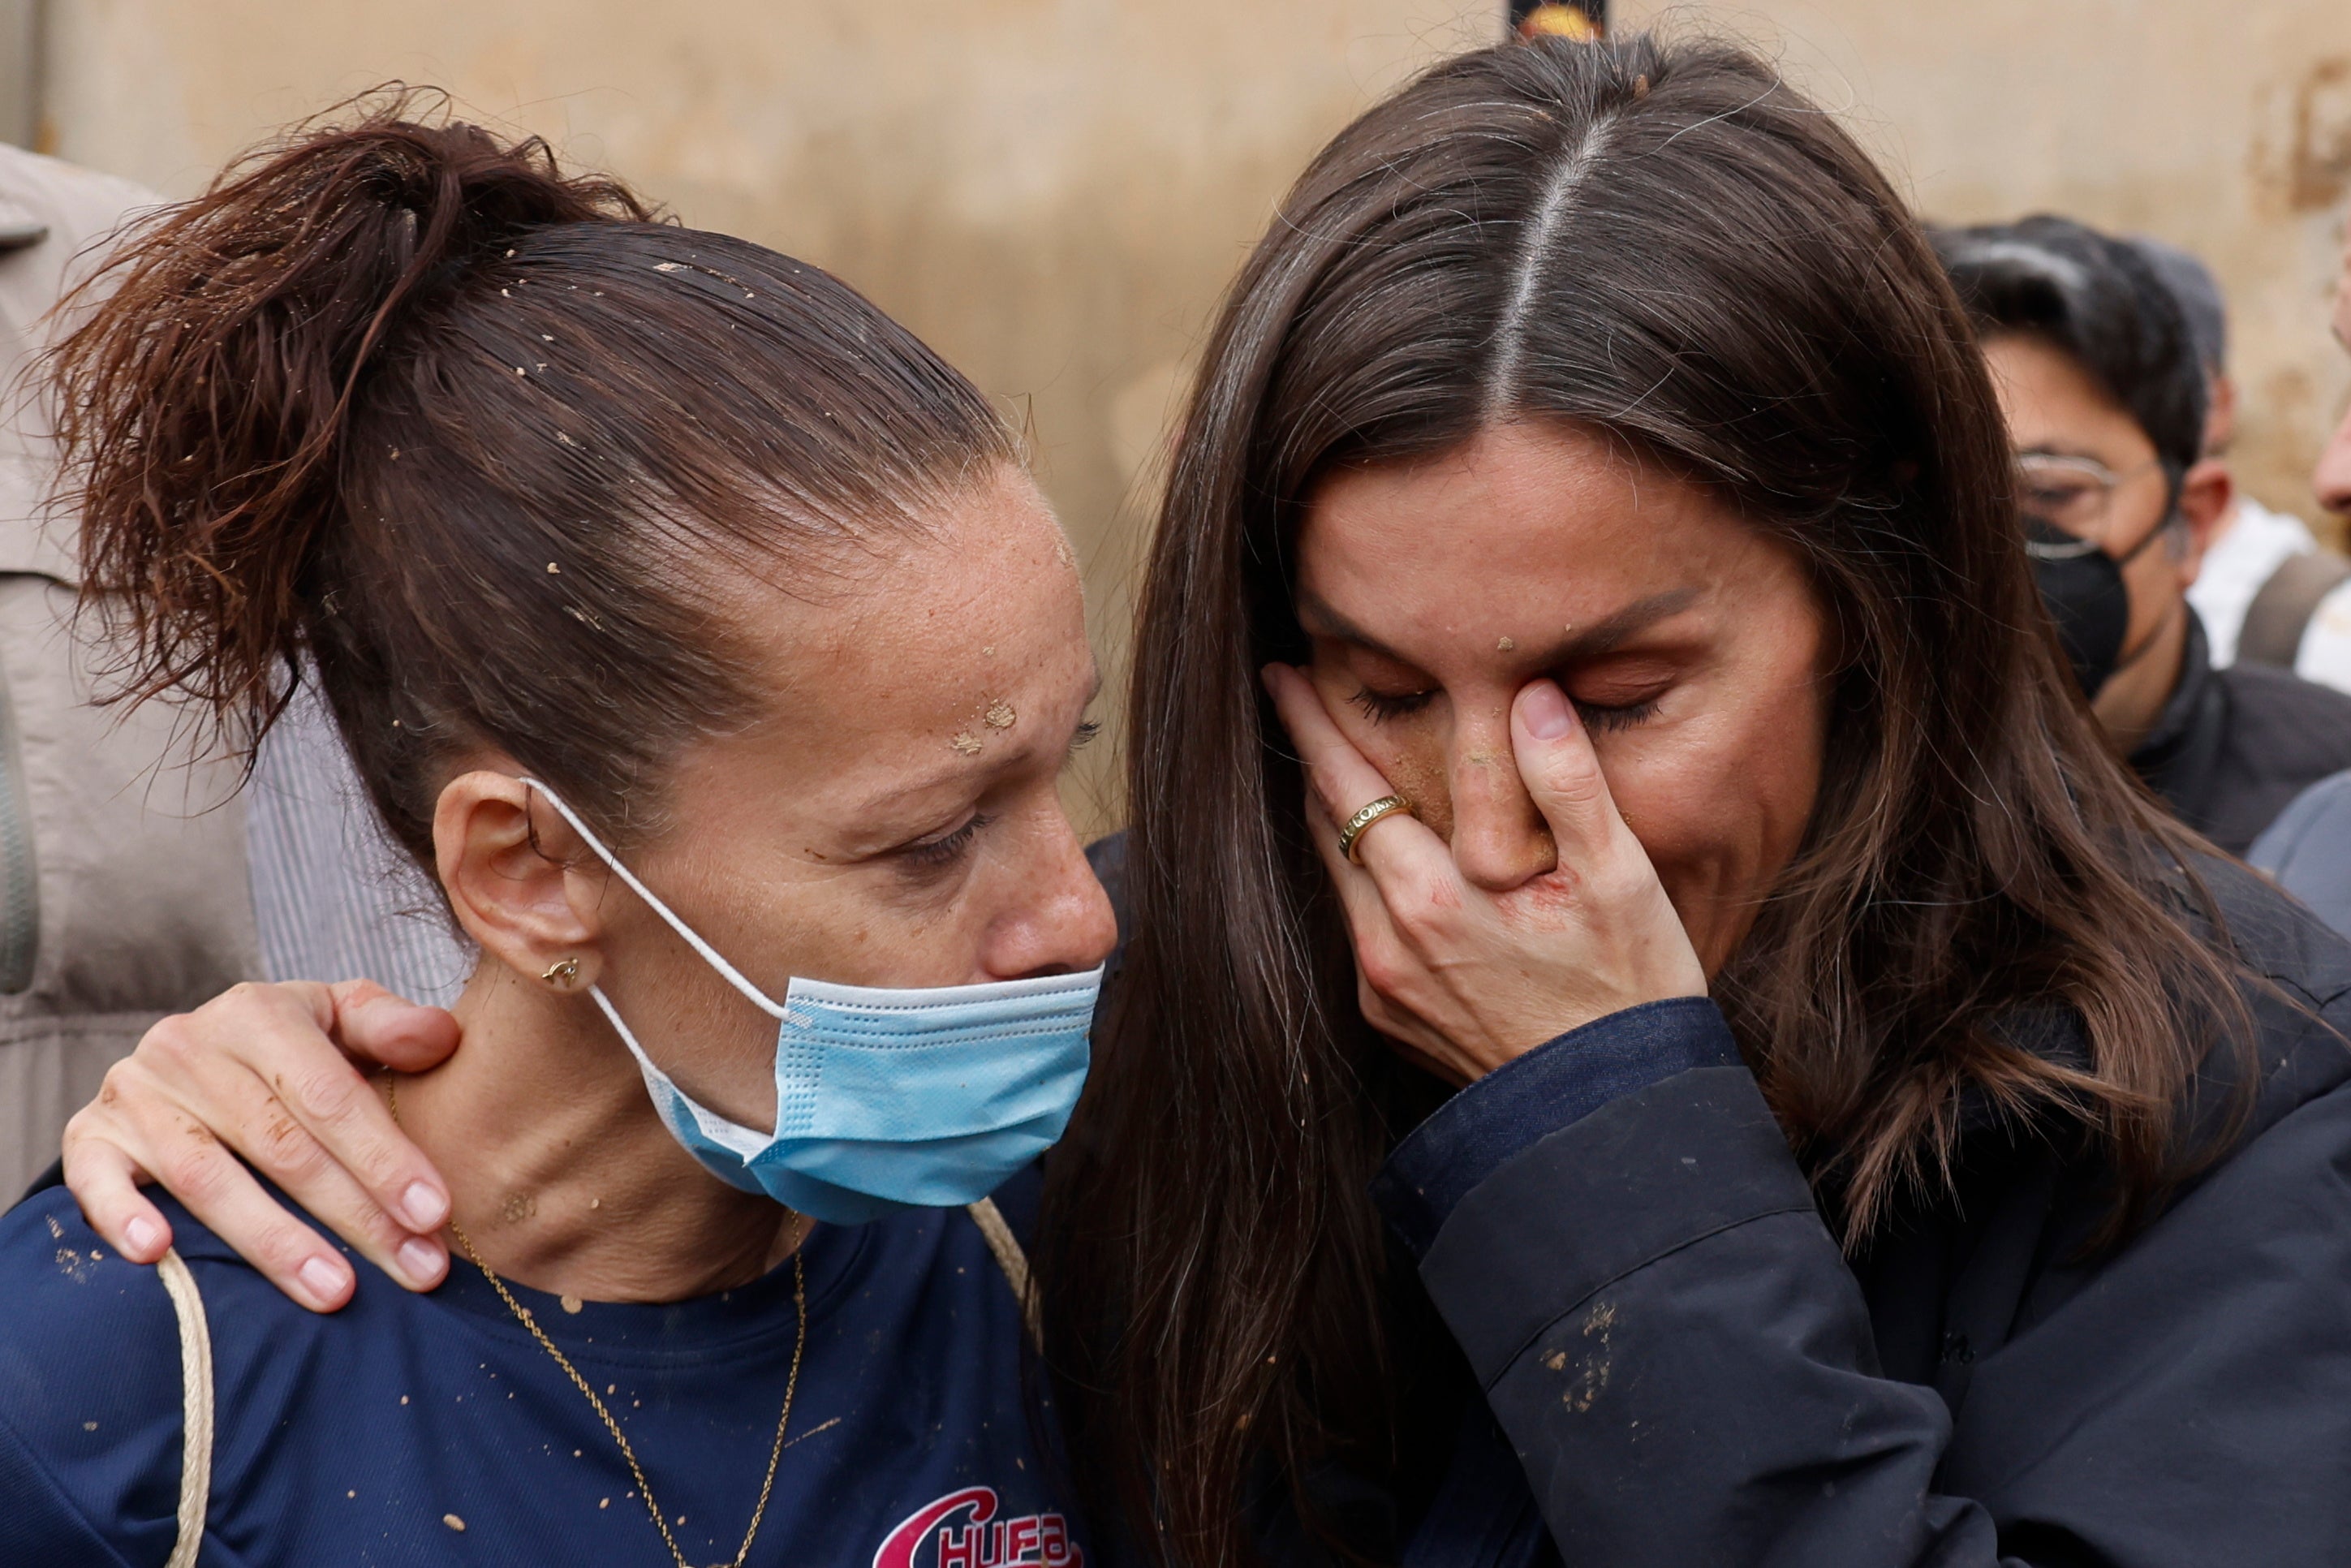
{"points": [[2225, 129], [1054, 192]]}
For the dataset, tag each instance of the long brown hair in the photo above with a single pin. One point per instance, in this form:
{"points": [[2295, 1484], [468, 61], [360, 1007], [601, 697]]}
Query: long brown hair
{"points": [[406, 409], [1666, 243]]}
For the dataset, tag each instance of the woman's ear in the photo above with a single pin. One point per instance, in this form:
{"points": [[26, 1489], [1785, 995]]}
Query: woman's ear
{"points": [[511, 880]]}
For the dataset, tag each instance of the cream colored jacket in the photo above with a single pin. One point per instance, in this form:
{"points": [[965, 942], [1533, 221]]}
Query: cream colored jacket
{"points": [[123, 886]]}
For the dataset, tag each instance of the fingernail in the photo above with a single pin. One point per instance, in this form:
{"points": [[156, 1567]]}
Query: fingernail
{"points": [[420, 1260], [1546, 711], [145, 1235], [423, 1206], [323, 1280], [1265, 676]]}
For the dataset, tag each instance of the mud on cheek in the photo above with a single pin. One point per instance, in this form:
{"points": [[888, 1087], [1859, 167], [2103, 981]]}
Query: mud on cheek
{"points": [[1420, 778]]}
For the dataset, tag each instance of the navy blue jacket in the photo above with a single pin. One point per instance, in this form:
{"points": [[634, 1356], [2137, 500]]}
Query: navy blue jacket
{"points": [[1686, 1370]]}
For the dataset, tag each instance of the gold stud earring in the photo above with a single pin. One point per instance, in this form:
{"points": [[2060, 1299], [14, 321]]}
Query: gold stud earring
{"points": [[561, 973]]}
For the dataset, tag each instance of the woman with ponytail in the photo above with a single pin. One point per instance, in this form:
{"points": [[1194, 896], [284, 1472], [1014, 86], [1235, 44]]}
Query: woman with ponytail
{"points": [[700, 631]]}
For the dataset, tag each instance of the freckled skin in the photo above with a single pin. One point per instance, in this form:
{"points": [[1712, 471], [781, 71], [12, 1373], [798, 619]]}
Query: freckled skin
{"points": [[1543, 525], [834, 834], [786, 868]]}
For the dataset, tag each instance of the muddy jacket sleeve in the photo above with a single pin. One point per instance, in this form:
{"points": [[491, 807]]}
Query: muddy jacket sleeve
{"points": [[1686, 1368]]}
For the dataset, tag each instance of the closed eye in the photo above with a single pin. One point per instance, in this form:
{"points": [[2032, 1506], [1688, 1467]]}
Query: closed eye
{"points": [[932, 855], [1380, 707], [1622, 716]]}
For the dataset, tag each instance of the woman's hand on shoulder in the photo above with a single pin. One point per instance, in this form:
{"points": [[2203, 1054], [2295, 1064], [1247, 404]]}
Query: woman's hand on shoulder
{"points": [[269, 1071], [1468, 979]]}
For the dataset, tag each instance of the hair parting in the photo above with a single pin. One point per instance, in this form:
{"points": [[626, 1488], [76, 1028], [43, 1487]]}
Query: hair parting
{"points": [[1558, 201]]}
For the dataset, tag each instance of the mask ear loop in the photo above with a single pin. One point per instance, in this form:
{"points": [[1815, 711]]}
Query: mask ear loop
{"points": [[709, 955], [744, 1143]]}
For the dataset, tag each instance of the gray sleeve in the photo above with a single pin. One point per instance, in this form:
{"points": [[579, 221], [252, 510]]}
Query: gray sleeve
{"points": [[2308, 850], [333, 898]]}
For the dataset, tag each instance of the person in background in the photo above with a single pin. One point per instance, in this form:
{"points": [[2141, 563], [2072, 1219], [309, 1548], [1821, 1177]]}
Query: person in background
{"points": [[2332, 478], [122, 897], [2260, 570], [2099, 380], [2308, 848], [134, 881]]}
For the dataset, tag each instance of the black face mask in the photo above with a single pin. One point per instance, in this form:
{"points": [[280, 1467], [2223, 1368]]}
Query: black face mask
{"points": [[2083, 588]]}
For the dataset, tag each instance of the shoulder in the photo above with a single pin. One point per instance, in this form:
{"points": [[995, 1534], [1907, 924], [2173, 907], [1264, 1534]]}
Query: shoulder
{"points": [[2265, 1126], [2308, 850], [2298, 992], [78, 204], [76, 207], [68, 1301], [2324, 808], [89, 1391], [78, 1322], [2275, 937]]}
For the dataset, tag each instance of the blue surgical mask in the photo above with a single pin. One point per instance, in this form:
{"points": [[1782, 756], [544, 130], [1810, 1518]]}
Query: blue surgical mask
{"points": [[885, 1099]]}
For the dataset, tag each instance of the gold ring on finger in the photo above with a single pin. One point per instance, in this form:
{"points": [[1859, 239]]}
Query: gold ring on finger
{"points": [[1352, 833]]}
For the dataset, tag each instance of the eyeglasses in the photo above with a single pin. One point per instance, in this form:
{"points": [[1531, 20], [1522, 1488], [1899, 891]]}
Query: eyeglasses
{"points": [[2072, 496]]}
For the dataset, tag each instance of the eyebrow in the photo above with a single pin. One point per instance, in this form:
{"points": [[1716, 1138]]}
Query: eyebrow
{"points": [[1603, 636]]}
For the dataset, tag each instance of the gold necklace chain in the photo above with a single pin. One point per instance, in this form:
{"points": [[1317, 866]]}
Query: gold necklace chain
{"points": [[645, 1488]]}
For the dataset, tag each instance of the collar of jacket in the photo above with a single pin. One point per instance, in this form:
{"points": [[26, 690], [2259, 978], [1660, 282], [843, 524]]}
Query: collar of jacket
{"points": [[2181, 757]]}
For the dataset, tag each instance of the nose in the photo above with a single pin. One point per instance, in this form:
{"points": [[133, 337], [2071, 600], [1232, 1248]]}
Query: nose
{"points": [[1500, 838], [1058, 919], [2332, 478]]}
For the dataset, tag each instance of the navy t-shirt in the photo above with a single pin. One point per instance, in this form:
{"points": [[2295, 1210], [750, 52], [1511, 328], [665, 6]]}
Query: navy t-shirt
{"points": [[414, 1429]]}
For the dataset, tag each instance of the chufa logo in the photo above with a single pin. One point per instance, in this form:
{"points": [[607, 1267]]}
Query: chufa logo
{"points": [[961, 1530]]}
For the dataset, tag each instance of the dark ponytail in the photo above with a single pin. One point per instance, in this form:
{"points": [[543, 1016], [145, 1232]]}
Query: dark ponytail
{"points": [[407, 408]]}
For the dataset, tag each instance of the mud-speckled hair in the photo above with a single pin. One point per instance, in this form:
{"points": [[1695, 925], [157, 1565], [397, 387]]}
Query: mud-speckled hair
{"points": [[476, 443]]}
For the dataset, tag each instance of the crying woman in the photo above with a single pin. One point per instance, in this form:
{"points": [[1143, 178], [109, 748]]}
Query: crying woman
{"points": [[699, 630]]}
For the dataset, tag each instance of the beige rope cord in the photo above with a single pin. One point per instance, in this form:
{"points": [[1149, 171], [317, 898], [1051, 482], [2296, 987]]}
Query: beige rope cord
{"points": [[1012, 1261], [197, 1407]]}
